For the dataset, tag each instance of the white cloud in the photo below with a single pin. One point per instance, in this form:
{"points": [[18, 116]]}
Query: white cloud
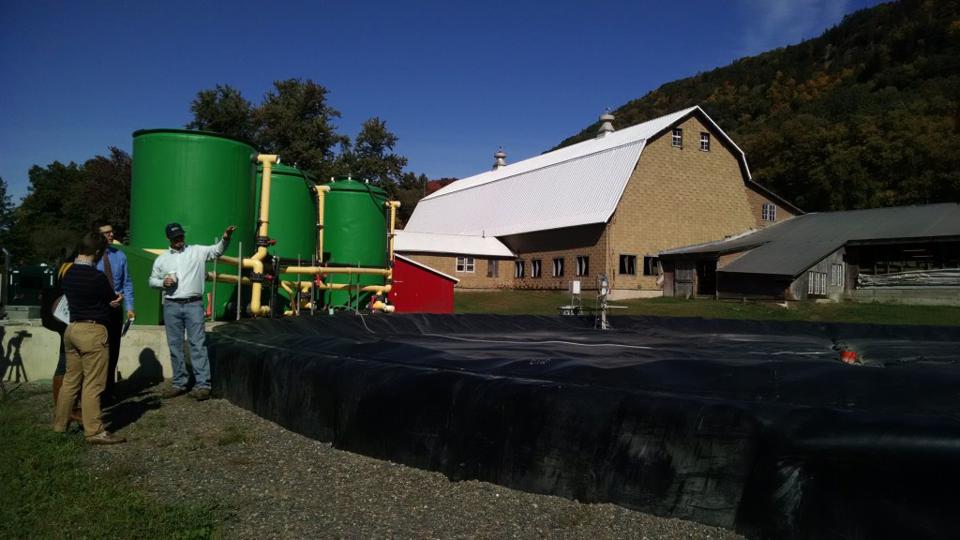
{"points": [[775, 23]]}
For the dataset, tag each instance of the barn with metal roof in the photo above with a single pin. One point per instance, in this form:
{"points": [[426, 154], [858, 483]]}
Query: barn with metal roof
{"points": [[605, 206], [908, 253]]}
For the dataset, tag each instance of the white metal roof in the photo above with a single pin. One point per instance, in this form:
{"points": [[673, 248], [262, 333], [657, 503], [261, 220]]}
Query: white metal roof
{"points": [[579, 184], [427, 268], [420, 242]]}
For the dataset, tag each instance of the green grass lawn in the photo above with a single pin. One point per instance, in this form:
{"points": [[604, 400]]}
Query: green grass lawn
{"points": [[546, 303], [47, 492]]}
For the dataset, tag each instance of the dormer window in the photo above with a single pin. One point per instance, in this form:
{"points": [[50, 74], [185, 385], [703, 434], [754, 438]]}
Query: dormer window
{"points": [[704, 141], [678, 137], [769, 212]]}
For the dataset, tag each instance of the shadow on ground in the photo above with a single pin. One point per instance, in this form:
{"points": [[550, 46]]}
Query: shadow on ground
{"points": [[133, 398]]}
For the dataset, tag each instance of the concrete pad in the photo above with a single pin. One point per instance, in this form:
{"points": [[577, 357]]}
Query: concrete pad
{"points": [[31, 351], [628, 294]]}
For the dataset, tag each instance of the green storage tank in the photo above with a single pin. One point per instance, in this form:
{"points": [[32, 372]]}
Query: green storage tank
{"points": [[205, 182], [293, 216], [354, 234]]}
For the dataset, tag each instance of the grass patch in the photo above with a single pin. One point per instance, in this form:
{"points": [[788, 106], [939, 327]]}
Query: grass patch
{"points": [[546, 303], [234, 434], [48, 493]]}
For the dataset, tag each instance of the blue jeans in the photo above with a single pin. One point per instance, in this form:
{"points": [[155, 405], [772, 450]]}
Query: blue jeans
{"points": [[189, 317]]}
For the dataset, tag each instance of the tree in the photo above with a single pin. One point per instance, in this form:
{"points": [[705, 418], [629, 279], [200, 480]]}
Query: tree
{"points": [[223, 110], [409, 192], [863, 116], [105, 190], [48, 221], [372, 158], [64, 201], [295, 122], [6, 212]]}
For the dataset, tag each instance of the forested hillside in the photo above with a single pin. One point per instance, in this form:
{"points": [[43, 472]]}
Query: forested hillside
{"points": [[866, 115]]}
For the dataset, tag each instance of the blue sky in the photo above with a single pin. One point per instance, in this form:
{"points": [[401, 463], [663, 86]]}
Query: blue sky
{"points": [[454, 80]]}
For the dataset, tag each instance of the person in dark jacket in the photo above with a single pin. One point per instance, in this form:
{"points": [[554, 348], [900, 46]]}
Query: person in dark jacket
{"points": [[90, 298], [49, 298]]}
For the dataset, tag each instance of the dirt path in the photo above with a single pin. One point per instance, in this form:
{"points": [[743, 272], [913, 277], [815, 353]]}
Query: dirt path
{"points": [[268, 482]]}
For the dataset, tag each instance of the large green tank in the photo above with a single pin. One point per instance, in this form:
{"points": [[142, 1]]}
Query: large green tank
{"points": [[354, 234], [205, 182], [293, 216]]}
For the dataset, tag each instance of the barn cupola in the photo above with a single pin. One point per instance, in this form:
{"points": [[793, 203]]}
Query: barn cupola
{"points": [[606, 125], [500, 159]]}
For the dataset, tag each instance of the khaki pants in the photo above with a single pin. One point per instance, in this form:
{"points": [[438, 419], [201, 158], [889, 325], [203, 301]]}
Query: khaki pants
{"points": [[88, 354]]}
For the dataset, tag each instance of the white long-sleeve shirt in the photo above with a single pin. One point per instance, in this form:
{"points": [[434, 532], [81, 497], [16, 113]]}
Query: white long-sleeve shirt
{"points": [[190, 266]]}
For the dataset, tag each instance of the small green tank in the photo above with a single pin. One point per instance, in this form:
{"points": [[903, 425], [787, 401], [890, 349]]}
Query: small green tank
{"points": [[293, 216], [354, 234]]}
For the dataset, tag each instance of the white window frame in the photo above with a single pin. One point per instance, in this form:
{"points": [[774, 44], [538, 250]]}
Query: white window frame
{"points": [[466, 265], [558, 267], [704, 141], [769, 212], [493, 268], [816, 283], [677, 138], [836, 275], [583, 265]]}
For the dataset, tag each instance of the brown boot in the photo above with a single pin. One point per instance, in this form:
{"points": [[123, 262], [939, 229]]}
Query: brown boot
{"points": [[105, 437]]}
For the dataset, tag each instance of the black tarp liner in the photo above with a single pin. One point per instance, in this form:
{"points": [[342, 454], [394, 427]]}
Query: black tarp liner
{"points": [[754, 426]]}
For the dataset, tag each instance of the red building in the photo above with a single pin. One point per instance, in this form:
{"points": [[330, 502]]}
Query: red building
{"points": [[417, 288]]}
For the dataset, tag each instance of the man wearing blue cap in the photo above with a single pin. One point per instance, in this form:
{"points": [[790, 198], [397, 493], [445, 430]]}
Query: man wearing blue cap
{"points": [[181, 272]]}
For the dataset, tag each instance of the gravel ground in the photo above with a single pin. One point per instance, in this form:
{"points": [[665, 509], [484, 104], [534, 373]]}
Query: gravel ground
{"points": [[268, 482]]}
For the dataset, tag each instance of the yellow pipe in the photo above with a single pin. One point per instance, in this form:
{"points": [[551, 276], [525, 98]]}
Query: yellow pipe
{"points": [[378, 305], [335, 270], [393, 223], [365, 288], [321, 196], [305, 286], [255, 263], [226, 278], [266, 161]]}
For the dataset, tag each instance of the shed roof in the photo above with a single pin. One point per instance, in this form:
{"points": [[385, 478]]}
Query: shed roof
{"points": [[427, 268], [576, 185], [422, 242], [792, 246]]}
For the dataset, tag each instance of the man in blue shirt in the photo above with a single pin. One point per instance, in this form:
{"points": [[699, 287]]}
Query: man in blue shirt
{"points": [[114, 265]]}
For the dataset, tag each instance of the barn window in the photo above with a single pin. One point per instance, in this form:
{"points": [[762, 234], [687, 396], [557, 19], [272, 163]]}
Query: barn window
{"points": [[769, 212], [583, 265], [493, 268], [836, 275], [628, 265], [519, 269], [558, 267], [704, 141], [816, 283], [535, 268], [651, 266], [678, 137], [465, 264]]}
